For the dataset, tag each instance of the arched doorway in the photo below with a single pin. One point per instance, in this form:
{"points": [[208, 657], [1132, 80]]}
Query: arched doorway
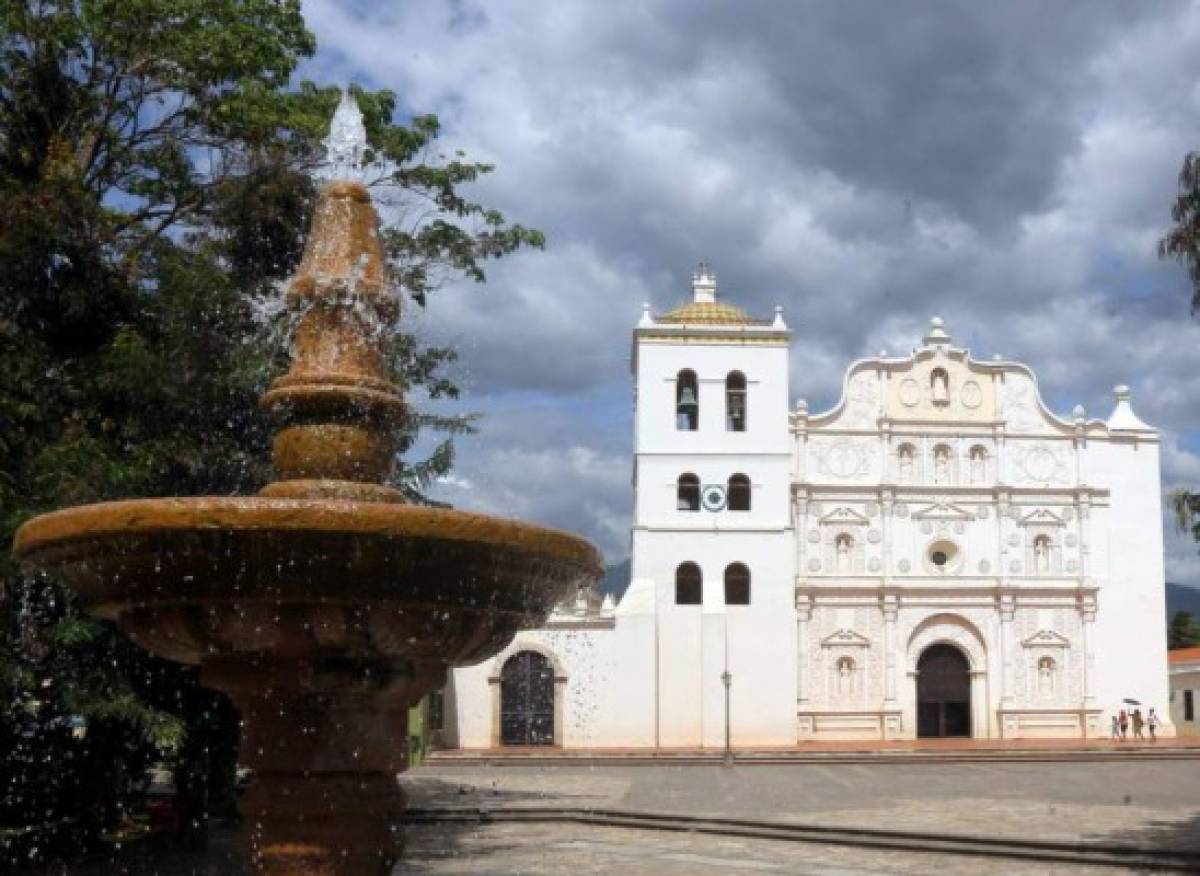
{"points": [[527, 700], [943, 692]]}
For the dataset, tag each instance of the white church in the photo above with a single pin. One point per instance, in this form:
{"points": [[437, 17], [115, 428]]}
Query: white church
{"points": [[937, 555]]}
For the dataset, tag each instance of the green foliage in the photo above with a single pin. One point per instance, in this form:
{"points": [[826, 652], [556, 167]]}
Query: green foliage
{"points": [[1182, 242], [1186, 506], [1183, 631], [154, 186]]}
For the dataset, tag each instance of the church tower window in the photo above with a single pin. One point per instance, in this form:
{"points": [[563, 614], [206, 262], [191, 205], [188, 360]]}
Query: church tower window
{"points": [[687, 401], [738, 493], [737, 584], [687, 493], [735, 402], [689, 585]]}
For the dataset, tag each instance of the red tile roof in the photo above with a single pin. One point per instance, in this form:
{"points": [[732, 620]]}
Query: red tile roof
{"points": [[1184, 655]]}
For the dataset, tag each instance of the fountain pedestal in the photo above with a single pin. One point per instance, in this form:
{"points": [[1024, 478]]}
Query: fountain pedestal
{"points": [[326, 740]]}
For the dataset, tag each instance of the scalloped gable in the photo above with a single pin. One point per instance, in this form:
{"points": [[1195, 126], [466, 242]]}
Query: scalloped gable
{"points": [[939, 382]]}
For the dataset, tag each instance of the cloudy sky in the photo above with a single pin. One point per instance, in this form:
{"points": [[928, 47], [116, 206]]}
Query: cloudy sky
{"points": [[865, 165]]}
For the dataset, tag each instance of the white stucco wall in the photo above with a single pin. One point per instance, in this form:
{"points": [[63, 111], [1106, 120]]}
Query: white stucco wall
{"points": [[1056, 634]]}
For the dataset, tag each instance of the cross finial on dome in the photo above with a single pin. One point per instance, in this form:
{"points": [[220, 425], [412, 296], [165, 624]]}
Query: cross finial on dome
{"points": [[704, 284]]}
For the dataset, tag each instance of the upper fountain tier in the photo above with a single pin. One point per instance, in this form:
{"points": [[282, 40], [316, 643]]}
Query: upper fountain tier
{"points": [[339, 413]]}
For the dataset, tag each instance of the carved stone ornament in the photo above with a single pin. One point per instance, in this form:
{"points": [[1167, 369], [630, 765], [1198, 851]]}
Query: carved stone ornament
{"points": [[910, 393], [862, 400], [904, 566], [874, 564], [1019, 407], [844, 459], [845, 639], [814, 565], [873, 536], [971, 395], [1041, 463], [1046, 639]]}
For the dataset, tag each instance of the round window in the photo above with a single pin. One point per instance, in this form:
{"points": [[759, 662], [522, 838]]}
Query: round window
{"points": [[942, 557]]}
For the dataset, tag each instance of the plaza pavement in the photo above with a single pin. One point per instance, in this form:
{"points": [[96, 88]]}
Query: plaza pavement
{"points": [[1130, 801], [1151, 804]]}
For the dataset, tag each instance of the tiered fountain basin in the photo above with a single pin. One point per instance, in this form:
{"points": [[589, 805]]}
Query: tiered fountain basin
{"points": [[324, 620], [196, 578]]}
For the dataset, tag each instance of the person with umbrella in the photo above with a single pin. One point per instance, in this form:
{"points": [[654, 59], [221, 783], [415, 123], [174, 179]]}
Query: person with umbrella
{"points": [[1123, 717]]}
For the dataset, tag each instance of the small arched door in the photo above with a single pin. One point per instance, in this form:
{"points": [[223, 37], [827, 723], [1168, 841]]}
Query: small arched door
{"points": [[943, 692], [527, 700]]}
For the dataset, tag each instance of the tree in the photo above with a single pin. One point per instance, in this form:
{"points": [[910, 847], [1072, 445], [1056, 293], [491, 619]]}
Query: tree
{"points": [[154, 189], [1182, 242], [1183, 632]]}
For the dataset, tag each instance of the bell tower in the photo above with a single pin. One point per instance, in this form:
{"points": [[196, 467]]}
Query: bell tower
{"points": [[712, 532]]}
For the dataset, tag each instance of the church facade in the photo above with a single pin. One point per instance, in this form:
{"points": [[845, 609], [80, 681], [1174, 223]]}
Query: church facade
{"points": [[937, 555]]}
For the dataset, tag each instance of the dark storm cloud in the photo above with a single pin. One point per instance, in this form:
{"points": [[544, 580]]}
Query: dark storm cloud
{"points": [[1008, 166]]}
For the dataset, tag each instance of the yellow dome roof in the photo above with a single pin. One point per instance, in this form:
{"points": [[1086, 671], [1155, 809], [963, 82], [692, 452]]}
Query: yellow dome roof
{"points": [[709, 313]]}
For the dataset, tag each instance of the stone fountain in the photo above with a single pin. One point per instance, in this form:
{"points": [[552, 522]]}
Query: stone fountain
{"points": [[325, 606]]}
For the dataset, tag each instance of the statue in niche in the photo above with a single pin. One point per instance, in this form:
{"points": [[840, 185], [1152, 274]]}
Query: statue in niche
{"points": [[941, 464], [845, 676], [1046, 677], [842, 546], [978, 465], [1041, 554], [906, 464], [939, 382]]}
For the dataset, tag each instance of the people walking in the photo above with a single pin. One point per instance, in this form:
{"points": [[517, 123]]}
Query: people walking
{"points": [[1116, 727], [1138, 721], [1123, 718], [1152, 723]]}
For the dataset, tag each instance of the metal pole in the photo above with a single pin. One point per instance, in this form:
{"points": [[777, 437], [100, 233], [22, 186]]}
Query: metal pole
{"points": [[727, 680]]}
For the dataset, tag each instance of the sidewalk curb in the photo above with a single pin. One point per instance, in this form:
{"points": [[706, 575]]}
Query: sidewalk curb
{"points": [[496, 759], [1103, 854]]}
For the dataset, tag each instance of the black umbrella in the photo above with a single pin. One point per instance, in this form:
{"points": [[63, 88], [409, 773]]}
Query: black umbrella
{"points": [[1131, 702]]}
